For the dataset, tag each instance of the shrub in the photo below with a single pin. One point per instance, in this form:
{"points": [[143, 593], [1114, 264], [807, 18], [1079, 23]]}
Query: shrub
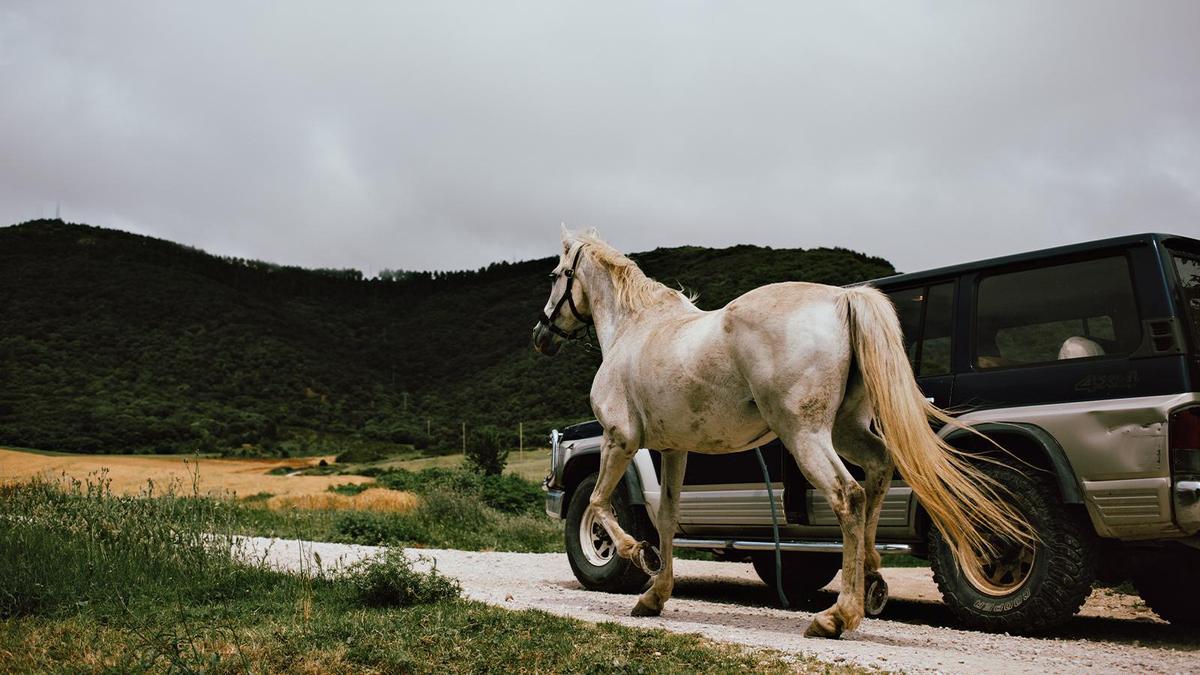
{"points": [[389, 580], [487, 451], [349, 489], [398, 479], [512, 494], [362, 527], [507, 492]]}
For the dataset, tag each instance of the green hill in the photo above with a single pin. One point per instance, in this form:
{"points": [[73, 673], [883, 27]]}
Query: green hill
{"points": [[114, 342]]}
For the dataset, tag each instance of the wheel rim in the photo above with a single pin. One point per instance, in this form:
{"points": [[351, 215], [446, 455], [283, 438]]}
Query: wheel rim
{"points": [[597, 546], [1003, 573]]}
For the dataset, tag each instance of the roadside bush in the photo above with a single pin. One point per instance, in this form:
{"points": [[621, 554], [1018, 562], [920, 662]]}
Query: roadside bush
{"points": [[389, 580], [507, 492], [363, 527], [512, 494], [487, 451]]}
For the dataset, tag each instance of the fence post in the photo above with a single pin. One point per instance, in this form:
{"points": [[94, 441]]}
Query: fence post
{"points": [[464, 438], [521, 438]]}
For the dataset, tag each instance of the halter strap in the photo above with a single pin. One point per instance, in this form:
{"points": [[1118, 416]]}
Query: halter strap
{"points": [[567, 299]]}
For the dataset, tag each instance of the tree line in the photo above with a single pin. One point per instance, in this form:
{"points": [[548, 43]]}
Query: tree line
{"points": [[112, 342]]}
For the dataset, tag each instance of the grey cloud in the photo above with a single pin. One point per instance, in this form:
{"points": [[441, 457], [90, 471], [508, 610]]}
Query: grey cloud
{"points": [[449, 134]]}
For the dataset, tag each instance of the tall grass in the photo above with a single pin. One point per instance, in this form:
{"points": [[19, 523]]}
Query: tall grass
{"points": [[63, 547], [95, 582]]}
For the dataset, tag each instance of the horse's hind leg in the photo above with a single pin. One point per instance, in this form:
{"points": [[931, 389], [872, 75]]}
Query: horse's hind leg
{"points": [[814, 454], [652, 601], [854, 440]]}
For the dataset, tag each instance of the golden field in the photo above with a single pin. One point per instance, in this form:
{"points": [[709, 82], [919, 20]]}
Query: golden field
{"points": [[216, 477]]}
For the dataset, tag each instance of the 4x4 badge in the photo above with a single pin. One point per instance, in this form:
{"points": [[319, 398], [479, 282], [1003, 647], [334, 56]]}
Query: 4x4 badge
{"points": [[1095, 383]]}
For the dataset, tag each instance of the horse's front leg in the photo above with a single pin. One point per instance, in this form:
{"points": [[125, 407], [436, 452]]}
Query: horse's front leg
{"points": [[615, 456], [652, 601]]}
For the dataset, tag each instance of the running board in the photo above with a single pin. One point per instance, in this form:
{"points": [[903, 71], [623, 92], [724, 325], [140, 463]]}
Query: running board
{"points": [[806, 546]]}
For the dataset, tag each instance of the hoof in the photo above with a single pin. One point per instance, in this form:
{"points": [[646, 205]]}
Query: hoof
{"points": [[876, 595], [642, 609], [649, 558], [824, 626]]}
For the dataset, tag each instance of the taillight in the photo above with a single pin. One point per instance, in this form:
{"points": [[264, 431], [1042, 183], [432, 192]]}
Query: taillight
{"points": [[1183, 440]]}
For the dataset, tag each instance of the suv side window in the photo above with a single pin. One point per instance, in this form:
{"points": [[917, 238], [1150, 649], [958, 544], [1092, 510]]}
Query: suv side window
{"points": [[935, 336], [1075, 310], [1189, 278], [925, 316], [909, 305]]}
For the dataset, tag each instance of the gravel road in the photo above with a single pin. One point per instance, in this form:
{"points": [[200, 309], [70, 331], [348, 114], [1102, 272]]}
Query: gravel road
{"points": [[727, 602]]}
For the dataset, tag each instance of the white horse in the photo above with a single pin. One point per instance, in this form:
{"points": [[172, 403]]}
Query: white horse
{"points": [[820, 367]]}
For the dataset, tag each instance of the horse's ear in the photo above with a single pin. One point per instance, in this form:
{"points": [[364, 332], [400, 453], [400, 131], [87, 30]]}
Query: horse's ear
{"points": [[566, 238], [591, 232]]}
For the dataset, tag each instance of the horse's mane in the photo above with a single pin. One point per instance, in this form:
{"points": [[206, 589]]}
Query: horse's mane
{"points": [[634, 289]]}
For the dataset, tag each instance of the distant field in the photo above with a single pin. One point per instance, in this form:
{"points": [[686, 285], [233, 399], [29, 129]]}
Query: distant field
{"points": [[221, 477], [534, 466], [129, 473]]}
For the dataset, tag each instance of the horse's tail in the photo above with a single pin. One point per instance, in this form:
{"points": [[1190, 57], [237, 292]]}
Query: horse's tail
{"points": [[962, 501]]}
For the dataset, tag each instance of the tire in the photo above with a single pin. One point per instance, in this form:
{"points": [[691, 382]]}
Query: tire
{"points": [[597, 568], [1043, 586], [803, 573], [1167, 583]]}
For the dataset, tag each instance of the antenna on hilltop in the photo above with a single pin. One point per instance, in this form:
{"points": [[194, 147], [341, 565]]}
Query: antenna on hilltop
{"points": [[58, 210]]}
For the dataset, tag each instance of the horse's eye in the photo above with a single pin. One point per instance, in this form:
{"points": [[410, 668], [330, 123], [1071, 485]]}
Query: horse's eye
{"points": [[553, 276]]}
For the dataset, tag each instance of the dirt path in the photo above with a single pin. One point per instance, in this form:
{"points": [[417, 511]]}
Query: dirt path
{"points": [[725, 601]]}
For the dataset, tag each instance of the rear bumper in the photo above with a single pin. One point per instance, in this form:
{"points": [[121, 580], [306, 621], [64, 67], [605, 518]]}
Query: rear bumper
{"points": [[554, 502]]}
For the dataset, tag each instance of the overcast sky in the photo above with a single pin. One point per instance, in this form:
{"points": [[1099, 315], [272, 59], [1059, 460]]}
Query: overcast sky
{"points": [[448, 134]]}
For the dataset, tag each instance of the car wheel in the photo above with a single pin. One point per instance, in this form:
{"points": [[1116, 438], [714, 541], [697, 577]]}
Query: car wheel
{"points": [[1167, 583], [591, 552], [803, 573], [1023, 589]]}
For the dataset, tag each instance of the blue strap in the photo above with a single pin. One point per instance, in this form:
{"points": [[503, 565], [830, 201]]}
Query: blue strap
{"points": [[775, 528]]}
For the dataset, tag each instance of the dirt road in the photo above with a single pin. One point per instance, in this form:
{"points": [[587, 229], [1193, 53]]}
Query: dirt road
{"points": [[726, 602]]}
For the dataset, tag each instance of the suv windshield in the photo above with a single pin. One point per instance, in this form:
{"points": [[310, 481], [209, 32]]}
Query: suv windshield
{"points": [[1188, 266]]}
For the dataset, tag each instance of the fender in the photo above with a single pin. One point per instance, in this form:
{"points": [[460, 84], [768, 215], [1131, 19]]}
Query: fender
{"points": [[1038, 438], [574, 470]]}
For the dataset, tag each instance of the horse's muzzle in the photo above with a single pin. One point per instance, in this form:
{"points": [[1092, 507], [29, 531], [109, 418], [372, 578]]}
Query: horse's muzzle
{"points": [[546, 342]]}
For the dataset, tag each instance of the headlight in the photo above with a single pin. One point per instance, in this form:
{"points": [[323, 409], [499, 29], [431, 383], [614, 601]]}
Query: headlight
{"points": [[554, 451]]}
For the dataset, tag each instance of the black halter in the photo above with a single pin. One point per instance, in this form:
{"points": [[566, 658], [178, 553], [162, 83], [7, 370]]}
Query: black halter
{"points": [[568, 300]]}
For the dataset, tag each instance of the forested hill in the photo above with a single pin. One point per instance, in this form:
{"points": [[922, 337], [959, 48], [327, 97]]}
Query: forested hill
{"points": [[114, 342]]}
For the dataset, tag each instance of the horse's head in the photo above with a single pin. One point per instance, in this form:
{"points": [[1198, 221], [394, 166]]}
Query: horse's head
{"points": [[567, 314]]}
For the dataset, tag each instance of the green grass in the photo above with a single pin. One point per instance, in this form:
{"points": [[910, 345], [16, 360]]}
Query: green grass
{"points": [[459, 509], [92, 582]]}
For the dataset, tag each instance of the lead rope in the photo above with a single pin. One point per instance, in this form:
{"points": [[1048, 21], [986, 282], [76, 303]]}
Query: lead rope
{"points": [[588, 341], [783, 601]]}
